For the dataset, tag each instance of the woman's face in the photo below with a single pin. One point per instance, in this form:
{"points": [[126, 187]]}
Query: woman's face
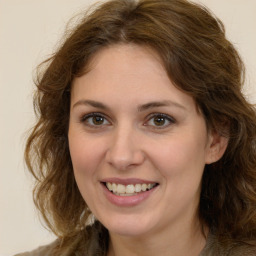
{"points": [[132, 131]]}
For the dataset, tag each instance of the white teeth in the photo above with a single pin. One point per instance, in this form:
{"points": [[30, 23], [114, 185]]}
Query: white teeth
{"points": [[137, 188], [120, 189], [128, 190], [144, 187], [109, 186], [114, 187], [150, 186]]}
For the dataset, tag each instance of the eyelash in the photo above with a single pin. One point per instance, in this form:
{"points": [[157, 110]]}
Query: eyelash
{"points": [[85, 119], [167, 118]]}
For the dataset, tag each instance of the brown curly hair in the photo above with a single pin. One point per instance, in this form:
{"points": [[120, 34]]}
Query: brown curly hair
{"points": [[199, 60]]}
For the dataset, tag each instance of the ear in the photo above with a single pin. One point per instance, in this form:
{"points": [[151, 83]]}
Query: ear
{"points": [[216, 147]]}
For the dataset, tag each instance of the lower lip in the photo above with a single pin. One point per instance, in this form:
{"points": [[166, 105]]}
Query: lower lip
{"points": [[127, 201]]}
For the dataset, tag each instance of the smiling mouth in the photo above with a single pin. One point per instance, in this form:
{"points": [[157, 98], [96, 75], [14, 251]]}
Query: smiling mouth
{"points": [[129, 190]]}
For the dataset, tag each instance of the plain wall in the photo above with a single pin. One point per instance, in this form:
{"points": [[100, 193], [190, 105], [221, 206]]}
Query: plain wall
{"points": [[29, 31]]}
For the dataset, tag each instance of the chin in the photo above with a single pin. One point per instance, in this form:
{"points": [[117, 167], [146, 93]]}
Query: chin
{"points": [[127, 226]]}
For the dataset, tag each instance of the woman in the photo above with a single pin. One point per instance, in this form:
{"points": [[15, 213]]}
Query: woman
{"points": [[144, 143]]}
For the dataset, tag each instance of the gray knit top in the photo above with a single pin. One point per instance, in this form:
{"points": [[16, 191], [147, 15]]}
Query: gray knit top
{"points": [[94, 248]]}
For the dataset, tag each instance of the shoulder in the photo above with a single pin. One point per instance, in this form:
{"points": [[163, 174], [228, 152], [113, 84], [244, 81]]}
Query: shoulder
{"points": [[41, 251], [215, 247], [91, 241], [242, 249]]}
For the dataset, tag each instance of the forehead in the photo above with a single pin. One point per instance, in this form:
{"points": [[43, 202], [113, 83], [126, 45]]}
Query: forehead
{"points": [[132, 62], [124, 55], [127, 70]]}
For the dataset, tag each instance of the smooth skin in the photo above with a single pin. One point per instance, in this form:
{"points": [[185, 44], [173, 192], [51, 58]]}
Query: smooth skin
{"points": [[127, 120]]}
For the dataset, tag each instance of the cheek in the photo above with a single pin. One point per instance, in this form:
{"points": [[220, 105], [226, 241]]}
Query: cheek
{"points": [[181, 164], [85, 160], [181, 155], [85, 154]]}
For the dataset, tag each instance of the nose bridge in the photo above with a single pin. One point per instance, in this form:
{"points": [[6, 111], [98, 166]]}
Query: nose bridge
{"points": [[125, 150]]}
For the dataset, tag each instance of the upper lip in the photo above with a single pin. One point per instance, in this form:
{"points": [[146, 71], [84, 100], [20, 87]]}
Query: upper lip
{"points": [[127, 181]]}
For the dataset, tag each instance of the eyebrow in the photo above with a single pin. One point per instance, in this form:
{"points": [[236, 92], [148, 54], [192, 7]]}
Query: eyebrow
{"points": [[141, 108], [164, 103], [92, 103]]}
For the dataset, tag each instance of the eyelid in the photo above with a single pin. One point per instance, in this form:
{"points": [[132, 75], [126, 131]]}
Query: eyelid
{"points": [[85, 117], [167, 117]]}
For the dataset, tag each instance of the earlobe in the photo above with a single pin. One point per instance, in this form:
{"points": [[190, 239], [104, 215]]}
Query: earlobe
{"points": [[216, 147]]}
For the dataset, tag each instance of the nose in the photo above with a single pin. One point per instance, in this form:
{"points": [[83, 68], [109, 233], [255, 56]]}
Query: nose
{"points": [[125, 149]]}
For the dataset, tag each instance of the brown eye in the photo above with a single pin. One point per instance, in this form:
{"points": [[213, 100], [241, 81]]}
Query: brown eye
{"points": [[94, 119], [98, 120], [159, 120]]}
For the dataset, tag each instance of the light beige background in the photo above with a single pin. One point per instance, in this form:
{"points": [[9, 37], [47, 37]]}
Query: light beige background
{"points": [[29, 31]]}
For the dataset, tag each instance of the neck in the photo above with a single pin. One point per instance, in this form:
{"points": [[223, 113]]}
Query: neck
{"points": [[178, 242]]}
